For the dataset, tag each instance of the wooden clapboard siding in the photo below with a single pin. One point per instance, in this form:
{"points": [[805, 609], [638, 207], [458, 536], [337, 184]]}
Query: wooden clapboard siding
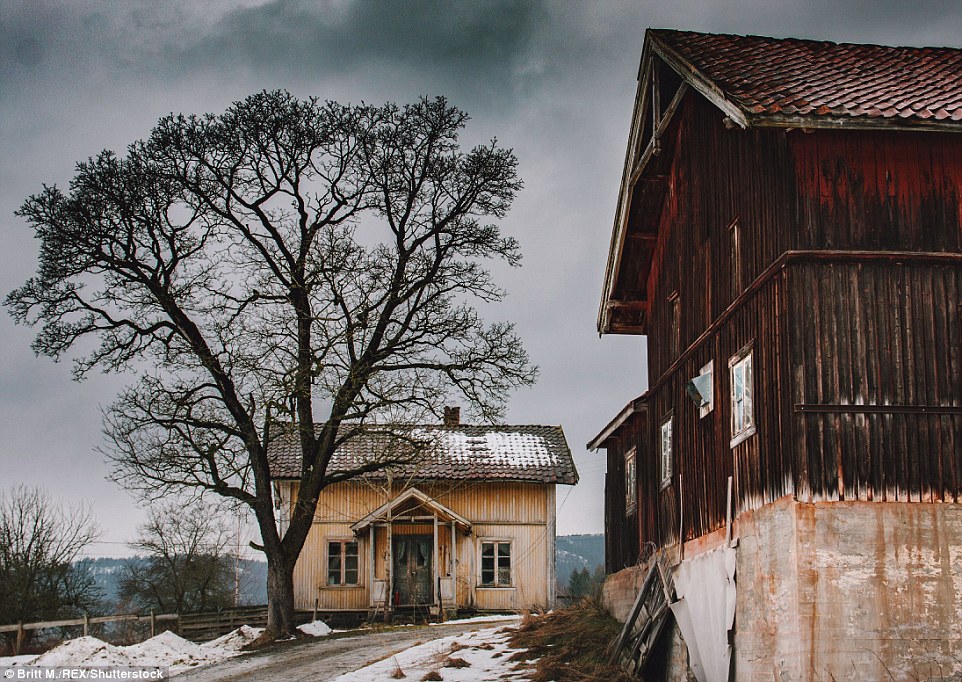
{"points": [[528, 562], [519, 512], [310, 572]]}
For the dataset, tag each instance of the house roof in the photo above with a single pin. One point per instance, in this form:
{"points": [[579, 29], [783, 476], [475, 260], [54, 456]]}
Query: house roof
{"points": [[535, 454], [793, 81]]}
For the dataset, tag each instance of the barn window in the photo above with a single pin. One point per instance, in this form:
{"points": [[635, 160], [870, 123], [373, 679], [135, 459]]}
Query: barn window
{"points": [[496, 564], [742, 396], [736, 264], [631, 482], [342, 566], [675, 304], [666, 438]]}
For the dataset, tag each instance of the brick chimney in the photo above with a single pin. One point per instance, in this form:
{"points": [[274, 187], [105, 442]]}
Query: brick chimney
{"points": [[452, 416]]}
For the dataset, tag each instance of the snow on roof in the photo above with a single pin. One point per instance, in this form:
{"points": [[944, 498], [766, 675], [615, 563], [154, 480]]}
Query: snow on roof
{"points": [[536, 454]]}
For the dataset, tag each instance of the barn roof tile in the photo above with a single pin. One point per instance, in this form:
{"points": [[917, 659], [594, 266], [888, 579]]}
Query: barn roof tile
{"points": [[770, 76]]}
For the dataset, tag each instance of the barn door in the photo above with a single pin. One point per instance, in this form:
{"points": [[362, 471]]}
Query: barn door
{"points": [[412, 570]]}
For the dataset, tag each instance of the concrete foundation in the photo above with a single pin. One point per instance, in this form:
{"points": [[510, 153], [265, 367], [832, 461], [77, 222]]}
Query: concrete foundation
{"points": [[836, 591]]}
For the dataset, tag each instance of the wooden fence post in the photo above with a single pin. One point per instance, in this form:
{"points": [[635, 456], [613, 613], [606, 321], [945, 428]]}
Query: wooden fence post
{"points": [[86, 623], [153, 623], [21, 633]]}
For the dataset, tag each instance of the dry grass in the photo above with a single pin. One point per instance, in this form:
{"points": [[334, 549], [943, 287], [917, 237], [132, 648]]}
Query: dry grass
{"points": [[456, 663], [570, 645]]}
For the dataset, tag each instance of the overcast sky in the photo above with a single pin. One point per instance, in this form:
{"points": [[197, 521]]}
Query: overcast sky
{"points": [[553, 80]]}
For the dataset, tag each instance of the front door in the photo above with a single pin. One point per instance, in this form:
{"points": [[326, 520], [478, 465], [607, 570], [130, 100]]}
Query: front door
{"points": [[412, 570]]}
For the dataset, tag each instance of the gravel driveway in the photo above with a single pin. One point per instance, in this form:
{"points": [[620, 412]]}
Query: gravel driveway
{"points": [[325, 658]]}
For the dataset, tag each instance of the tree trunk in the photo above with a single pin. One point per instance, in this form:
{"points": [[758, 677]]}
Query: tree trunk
{"points": [[280, 600]]}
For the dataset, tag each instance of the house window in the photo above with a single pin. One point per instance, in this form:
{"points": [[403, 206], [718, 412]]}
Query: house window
{"points": [[666, 437], [496, 564], [742, 392], [342, 566], [631, 482]]}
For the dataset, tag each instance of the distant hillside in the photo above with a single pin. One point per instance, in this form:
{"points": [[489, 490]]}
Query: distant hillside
{"points": [[574, 552]]}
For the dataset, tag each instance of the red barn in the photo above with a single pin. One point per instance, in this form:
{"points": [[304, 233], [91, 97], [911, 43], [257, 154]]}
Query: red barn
{"points": [[789, 238]]}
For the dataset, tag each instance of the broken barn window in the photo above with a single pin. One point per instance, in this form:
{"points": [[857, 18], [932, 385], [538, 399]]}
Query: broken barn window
{"points": [[736, 264], [631, 482], [675, 304], [665, 443], [742, 390]]}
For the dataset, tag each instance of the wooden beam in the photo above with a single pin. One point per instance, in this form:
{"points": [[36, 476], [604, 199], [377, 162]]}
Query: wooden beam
{"points": [[810, 408], [621, 328], [701, 83], [816, 122], [628, 305], [653, 149]]}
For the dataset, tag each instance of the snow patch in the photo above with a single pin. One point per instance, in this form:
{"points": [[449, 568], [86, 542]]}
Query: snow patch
{"points": [[235, 640], [318, 628], [481, 619]]}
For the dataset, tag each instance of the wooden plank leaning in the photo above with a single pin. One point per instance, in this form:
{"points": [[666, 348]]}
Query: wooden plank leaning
{"points": [[632, 615]]}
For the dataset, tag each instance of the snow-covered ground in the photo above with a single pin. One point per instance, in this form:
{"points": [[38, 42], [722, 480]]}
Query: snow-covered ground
{"points": [[166, 650], [479, 655]]}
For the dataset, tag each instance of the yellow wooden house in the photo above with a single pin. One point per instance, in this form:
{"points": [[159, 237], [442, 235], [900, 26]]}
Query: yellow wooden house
{"points": [[468, 526]]}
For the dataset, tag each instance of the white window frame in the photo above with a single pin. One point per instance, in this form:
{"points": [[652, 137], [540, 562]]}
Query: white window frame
{"points": [[631, 481], [742, 402], [666, 437], [497, 584], [343, 541]]}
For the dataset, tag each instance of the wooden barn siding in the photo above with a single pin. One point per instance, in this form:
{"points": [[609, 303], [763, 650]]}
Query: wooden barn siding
{"points": [[877, 334], [789, 190], [792, 190], [868, 190], [518, 511], [621, 529], [716, 176], [702, 456]]}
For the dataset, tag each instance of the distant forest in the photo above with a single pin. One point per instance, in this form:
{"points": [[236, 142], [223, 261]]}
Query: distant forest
{"points": [[578, 552], [251, 576]]}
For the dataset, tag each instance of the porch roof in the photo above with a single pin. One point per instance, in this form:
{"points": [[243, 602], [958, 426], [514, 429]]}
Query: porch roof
{"points": [[411, 499]]}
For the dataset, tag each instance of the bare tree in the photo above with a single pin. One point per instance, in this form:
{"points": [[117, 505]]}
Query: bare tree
{"points": [[287, 261], [185, 564], [40, 541]]}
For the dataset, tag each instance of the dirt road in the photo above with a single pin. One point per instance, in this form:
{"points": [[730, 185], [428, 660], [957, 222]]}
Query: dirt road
{"points": [[324, 659]]}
